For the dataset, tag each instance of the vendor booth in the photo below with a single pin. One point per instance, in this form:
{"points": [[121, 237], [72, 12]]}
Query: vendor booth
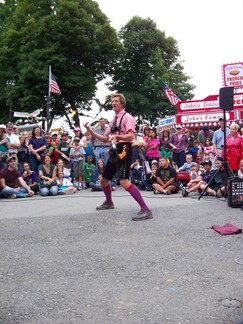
{"points": [[195, 114]]}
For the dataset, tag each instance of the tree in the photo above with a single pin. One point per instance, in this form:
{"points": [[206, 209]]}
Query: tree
{"points": [[149, 58], [74, 37]]}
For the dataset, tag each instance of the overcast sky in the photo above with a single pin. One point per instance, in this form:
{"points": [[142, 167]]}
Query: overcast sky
{"points": [[209, 33]]}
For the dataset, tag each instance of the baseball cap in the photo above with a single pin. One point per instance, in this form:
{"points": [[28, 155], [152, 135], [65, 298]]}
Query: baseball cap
{"points": [[2, 126], [76, 129], [205, 128], [154, 161], [178, 126], [219, 158], [76, 139], [206, 162], [65, 133]]}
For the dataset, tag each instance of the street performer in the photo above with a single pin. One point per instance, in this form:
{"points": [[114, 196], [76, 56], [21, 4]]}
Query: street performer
{"points": [[120, 133]]}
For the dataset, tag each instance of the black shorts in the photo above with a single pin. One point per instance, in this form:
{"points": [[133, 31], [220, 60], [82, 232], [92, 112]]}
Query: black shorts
{"points": [[119, 164]]}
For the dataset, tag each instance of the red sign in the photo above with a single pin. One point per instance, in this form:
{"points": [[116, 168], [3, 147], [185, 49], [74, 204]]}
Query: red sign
{"points": [[233, 75], [207, 111]]}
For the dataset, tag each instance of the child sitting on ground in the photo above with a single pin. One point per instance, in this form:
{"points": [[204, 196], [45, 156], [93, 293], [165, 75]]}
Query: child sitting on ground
{"points": [[89, 170], [64, 183], [209, 149], [203, 178], [183, 172], [186, 167], [136, 172], [240, 171], [147, 183], [195, 172], [193, 150]]}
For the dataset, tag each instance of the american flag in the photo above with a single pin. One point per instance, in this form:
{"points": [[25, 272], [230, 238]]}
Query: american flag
{"points": [[53, 86], [170, 94]]}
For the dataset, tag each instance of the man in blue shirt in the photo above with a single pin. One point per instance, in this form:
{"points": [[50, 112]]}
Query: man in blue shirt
{"points": [[218, 138]]}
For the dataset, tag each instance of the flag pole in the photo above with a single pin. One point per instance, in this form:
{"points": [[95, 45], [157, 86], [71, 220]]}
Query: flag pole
{"points": [[48, 106]]}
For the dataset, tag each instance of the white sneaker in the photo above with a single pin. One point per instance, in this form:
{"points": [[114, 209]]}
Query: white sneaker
{"points": [[13, 196]]}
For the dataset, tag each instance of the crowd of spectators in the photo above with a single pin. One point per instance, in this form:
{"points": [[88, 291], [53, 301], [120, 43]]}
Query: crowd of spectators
{"points": [[58, 164]]}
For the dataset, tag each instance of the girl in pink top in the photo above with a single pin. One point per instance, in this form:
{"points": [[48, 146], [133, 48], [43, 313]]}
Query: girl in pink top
{"points": [[152, 152], [209, 149]]}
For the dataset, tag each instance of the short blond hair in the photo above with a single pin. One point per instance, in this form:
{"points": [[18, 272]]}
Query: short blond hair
{"points": [[122, 98]]}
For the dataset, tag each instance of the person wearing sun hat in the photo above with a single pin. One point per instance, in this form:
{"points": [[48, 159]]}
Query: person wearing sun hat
{"points": [[12, 185], [78, 133]]}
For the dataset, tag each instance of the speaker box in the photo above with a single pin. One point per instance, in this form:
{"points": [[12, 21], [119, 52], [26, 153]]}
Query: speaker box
{"points": [[226, 98]]}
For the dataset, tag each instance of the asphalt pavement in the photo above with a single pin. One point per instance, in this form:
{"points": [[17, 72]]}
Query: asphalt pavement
{"points": [[61, 261]]}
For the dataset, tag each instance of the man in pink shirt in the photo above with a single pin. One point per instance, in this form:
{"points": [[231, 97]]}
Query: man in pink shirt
{"points": [[120, 133]]}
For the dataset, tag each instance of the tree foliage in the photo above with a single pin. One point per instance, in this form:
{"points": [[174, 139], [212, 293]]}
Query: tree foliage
{"points": [[74, 37], [149, 58]]}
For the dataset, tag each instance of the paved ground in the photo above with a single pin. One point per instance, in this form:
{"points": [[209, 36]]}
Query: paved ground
{"points": [[64, 262]]}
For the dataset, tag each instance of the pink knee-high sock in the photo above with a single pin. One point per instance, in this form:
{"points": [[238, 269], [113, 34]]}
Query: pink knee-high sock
{"points": [[135, 193], [107, 191]]}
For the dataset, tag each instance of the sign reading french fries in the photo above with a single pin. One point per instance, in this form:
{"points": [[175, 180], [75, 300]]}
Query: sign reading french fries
{"points": [[233, 75]]}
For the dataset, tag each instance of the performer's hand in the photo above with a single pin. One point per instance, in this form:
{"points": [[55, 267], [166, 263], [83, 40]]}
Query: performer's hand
{"points": [[112, 138], [87, 126]]}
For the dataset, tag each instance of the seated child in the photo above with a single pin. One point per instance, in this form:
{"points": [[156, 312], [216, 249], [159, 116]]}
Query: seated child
{"points": [[194, 172], [193, 150], [202, 178], [64, 183], [186, 167], [209, 149], [240, 171], [88, 170], [136, 172], [147, 183], [183, 172], [216, 186], [95, 183]]}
